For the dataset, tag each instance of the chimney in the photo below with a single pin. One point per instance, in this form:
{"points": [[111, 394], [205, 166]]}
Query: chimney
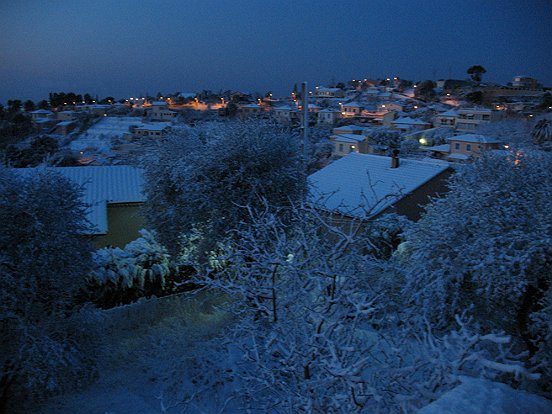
{"points": [[395, 159]]}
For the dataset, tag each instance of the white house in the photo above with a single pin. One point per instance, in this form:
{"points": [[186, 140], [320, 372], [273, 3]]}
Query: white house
{"points": [[327, 116], [160, 112]]}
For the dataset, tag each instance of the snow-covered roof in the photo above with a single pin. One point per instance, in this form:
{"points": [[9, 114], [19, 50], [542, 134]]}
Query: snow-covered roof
{"points": [[409, 121], [102, 185], [363, 185], [42, 111], [348, 138], [458, 156], [353, 104], [349, 128], [159, 103], [330, 110], [65, 123], [252, 105], [475, 138], [440, 148], [153, 127], [450, 113]]}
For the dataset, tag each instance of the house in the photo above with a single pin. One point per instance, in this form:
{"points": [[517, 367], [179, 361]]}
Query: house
{"points": [[470, 118], [344, 144], [114, 195], [251, 109], [525, 82], [41, 114], [67, 115], [350, 129], [322, 92], [446, 119], [471, 145], [146, 130], [389, 106], [65, 127], [160, 112], [286, 114], [407, 124], [351, 109], [362, 186], [328, 116]]}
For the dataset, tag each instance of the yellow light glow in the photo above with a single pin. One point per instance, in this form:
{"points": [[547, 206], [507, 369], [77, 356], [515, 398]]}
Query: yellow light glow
{"points": [[423, 141]]}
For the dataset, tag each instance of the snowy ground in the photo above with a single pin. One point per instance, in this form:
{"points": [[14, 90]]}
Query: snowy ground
{"points": [[476, 396], [144, 342], [101, 135]]}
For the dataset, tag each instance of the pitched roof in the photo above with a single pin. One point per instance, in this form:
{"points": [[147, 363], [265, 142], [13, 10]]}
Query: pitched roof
{"points": [[409, 121], [348, 138], [102, 185], [363, 185], [350, 128], [475, 138]]}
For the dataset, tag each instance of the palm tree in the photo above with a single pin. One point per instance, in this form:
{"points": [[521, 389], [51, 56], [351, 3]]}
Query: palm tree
{"points": [[542, 132], [476, 72]]}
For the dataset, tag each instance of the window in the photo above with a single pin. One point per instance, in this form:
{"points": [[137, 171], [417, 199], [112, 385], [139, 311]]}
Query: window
{"points": [[457, 146], [468, 147], [340, 147]]}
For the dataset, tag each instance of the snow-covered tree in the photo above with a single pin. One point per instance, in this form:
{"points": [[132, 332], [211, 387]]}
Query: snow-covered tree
{"points": [[318, 328], [199, 181], [43, 260], [487, 245], [509, 131]]}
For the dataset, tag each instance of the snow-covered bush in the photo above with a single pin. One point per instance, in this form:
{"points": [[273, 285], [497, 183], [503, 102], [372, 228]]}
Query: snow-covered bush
{"points": [[316, 330], [43, 258], [487, 245], [121, 276]]}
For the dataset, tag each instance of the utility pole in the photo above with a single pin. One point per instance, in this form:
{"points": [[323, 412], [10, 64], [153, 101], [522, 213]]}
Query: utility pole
{"points": [[305, 129]]}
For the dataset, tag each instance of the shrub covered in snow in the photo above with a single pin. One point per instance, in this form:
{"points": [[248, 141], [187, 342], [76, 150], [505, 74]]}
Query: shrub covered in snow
{"points": [[121, 276], [488, 245]]}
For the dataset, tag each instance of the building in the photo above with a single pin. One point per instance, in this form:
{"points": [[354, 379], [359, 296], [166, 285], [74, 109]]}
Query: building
{"points": [[148, 130], [351, 129], [471, 145], [114, 195], [286, 114], [344, 144], [328, 116], [250, 109], [351, 109], [408, 124], [66, 115], [65, 127], [446, 119], [160, 112], [525, 82], [362, 186], [322, 92], [41, 114], [470, 118]]}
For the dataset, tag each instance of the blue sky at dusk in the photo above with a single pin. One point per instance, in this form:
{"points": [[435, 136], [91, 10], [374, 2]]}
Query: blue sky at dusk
{"points": [[124, 48]]}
